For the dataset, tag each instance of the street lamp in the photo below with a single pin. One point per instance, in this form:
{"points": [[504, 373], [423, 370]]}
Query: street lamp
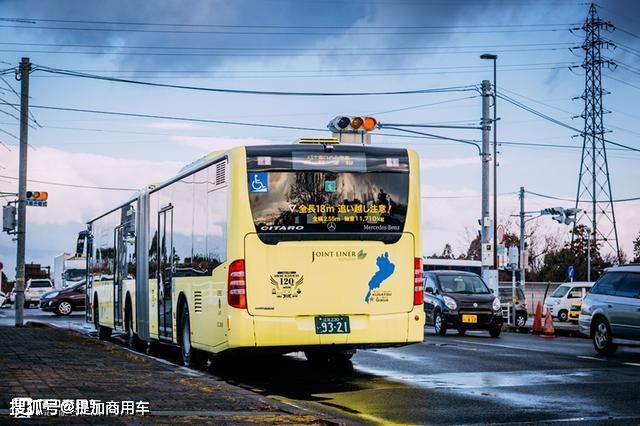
{"points": [[494, 58]]}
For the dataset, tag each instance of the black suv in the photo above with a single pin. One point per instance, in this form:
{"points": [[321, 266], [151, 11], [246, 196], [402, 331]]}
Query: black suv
{"points": [[460, 300]]}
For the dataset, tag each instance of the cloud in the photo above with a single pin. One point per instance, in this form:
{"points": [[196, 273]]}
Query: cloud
{"points": [[445, 163], [208, 143]]}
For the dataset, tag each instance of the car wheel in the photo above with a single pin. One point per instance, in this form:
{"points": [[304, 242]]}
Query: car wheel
{"points": [[64, 308], [495, 331], [439, 324], [185, 337], [563, 315], [462, 331], [602, 337], [521, 319]]}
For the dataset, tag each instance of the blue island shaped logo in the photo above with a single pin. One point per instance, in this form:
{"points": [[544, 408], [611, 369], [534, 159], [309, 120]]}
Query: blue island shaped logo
{"points": [[385, 270]]}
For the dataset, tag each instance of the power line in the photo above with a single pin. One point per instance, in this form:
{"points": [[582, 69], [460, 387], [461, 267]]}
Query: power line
{"points": [[551, 197], [454, 197], [166, 24], [71, 185], [282, 33], [291, 49], [558, 122], [253, 92], [277, 55], [627, 32]]}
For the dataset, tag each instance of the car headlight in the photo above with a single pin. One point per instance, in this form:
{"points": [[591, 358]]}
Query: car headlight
{"points": [[496, 304], [450, 303], [52, 295]]}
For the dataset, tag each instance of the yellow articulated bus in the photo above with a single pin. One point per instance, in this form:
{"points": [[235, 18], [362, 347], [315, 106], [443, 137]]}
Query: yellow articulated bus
{"points": [[301, 247]]}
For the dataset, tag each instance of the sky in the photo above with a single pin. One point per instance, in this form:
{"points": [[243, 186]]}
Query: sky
{"points": [[323, 46]]}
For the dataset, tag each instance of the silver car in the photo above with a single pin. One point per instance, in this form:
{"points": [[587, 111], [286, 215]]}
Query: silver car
{"points": [[610, 312]]}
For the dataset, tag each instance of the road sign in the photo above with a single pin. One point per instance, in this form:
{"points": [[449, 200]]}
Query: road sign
{"points": [[501, 234], [571, 272]]}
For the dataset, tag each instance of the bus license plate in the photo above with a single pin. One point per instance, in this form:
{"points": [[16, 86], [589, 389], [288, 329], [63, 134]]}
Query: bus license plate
{"points": [[470, 319], [332, 325]]}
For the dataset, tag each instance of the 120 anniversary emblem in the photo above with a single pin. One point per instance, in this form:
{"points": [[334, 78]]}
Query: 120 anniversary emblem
{"points": [[286, 284]]}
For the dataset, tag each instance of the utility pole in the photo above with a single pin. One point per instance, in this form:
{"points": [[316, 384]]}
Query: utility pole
{"points": [[485, 255], [523, 266], [23, 76]]}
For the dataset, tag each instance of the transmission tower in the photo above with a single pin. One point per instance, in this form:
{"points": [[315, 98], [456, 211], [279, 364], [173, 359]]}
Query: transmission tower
{"points": [[594, 186]]}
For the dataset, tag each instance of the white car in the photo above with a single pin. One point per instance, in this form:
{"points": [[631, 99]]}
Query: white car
{"points": [[35, 288], [561, 300]]}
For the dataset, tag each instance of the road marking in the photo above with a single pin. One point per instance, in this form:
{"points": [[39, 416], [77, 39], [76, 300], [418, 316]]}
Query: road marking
{"points": [[635, 364], [591, 357], [519, 348]]}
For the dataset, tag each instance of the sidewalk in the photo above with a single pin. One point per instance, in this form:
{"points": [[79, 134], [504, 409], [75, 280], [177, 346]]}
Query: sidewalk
{"points": [[566, 328], [49, 363]]}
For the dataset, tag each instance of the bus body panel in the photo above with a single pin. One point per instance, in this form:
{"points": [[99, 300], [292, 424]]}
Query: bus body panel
{"points": [[298, 278]]}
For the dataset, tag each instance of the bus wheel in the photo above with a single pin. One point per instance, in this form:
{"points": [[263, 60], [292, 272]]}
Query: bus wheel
{"points": [[128, 327], [317, 357], [185, 338], [343, 356], [103, 332]]}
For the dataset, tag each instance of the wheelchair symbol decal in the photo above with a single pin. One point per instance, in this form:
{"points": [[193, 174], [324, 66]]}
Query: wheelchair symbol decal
{"points": [[258, 182]]}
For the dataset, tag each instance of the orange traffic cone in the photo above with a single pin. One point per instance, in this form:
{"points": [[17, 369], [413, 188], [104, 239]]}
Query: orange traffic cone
{"points": [[537, 319], [548, 330]]}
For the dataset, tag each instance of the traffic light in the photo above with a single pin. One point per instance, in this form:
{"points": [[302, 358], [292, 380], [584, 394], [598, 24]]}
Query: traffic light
{"points": [[552, 210], [37, 198], [343, 123], [570, 215]]}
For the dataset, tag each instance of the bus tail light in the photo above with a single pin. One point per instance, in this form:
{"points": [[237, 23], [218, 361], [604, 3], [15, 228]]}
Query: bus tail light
{"points": [[237, 285], [418, 282]]}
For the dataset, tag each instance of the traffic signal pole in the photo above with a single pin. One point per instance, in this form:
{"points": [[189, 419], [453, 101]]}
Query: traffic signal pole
{"points": [[486, 158], [23, 76], [523, 266]]}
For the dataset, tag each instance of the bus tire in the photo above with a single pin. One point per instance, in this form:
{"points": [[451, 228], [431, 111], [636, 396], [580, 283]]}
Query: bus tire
{"points": [[186, 349], [128, 325], [343, 356], [104, 333], [317, 357]]}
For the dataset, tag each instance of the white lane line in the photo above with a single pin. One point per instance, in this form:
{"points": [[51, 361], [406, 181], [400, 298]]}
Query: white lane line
{"points": [[635, 364], [591, 357], [519, 348]]}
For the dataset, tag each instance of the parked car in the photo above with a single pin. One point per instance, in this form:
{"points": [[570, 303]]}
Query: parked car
{"points": [[560, 300], [505, 295], [35, 288], [461, 300], [64, 301], [574, 311], [610, 313]]}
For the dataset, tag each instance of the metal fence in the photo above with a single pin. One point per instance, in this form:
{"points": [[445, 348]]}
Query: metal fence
{"points": [[534, 292]]}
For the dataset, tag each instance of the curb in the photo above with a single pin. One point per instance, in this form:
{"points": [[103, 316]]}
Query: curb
{"points": [[559, 331], [283, 406]]}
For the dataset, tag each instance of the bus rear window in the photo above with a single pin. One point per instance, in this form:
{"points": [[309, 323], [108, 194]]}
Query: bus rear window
{"points": [[345, 195]]}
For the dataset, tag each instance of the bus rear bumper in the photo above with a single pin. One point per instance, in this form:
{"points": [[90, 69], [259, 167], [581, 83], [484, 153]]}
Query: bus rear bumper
{"points": [[365, 331]]}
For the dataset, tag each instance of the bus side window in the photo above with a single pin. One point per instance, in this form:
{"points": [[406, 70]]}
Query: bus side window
{"points": [[217, 202]]}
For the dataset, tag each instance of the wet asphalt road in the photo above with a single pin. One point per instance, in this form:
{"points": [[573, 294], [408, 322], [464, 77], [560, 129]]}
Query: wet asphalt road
{"points": [[454, 379]]}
